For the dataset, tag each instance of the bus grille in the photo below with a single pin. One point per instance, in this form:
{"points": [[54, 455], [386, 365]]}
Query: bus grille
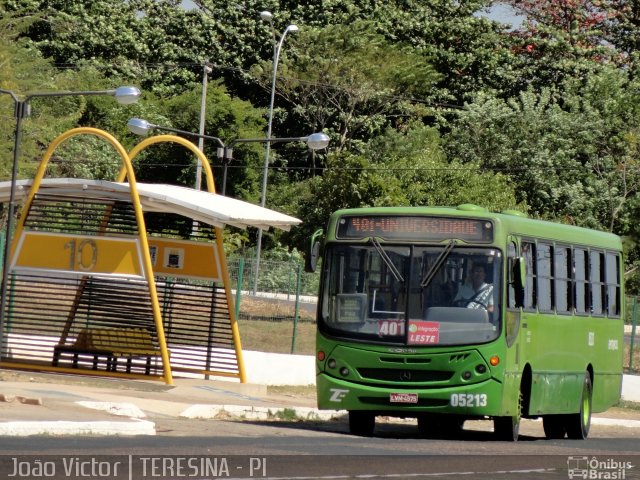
{"points": [[404, 375]]}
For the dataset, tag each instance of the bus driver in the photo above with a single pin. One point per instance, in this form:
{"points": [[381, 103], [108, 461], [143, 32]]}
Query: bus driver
{"points": [[475, 294]]}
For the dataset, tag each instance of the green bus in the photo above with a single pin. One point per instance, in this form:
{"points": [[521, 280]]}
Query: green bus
{"points": [[455, 314]]}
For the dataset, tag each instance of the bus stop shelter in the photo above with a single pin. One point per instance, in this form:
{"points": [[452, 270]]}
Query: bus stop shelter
{"points": [[123, 279]]}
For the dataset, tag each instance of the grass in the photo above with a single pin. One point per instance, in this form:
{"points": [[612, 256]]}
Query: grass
{"points": [[268, 326], [277, 336]]}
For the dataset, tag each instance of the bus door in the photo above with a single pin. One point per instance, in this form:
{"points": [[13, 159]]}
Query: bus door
{"points": [[515, 300]]}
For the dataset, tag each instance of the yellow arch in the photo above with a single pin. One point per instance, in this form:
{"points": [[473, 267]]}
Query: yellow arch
{"points": [[172, 139], [127, 168], [219, 243]]}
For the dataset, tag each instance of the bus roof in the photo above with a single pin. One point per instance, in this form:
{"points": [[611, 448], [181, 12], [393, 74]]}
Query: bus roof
{"points": [[509, 222]]}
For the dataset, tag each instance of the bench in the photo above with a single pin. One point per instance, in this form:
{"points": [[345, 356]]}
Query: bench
{"points": [[111, 343]]}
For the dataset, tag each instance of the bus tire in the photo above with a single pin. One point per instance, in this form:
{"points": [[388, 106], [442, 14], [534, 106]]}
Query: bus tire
{"points": [[361, 423], [554, 426], [578, 424], [508, 428]]}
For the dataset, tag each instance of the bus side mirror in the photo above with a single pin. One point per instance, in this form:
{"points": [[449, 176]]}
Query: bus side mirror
{"points": [[311, 260], [518, 279]]}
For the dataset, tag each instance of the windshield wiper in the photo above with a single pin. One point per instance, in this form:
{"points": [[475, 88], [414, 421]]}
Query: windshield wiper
{"points": [[394, 271], [438, 263]]}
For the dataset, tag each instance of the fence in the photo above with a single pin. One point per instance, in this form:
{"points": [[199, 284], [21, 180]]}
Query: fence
{"points": [[281, 278], [280, 317], [632, 351], [291, 293]]}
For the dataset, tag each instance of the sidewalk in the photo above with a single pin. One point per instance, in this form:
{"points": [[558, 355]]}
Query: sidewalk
{"points": [[44, 403]]}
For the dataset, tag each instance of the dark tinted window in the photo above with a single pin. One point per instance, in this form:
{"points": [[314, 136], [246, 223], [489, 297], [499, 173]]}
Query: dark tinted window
{"points": [[545, 277], [562, 277], [612, 279], [580, 280], [529, 254], [511, 293], [596, 278]]}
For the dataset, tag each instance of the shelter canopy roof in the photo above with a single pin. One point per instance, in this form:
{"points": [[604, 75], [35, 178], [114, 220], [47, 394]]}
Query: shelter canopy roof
{"points": [[200, 205]]}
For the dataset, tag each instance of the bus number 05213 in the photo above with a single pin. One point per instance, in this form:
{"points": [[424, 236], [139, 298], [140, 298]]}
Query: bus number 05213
{"points": [[468, 400]]}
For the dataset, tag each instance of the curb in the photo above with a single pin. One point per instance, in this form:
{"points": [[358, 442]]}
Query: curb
{"points": [[204, 411]]}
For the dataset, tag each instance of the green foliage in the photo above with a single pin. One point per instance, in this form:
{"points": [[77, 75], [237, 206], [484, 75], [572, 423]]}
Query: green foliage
{"points": [[399, 168], [561, 40], [49, 117], [550, 124], [351, 90], [571, 156], [467, 51]]}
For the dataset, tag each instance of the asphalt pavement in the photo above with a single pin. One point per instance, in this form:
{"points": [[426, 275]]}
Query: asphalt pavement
{"points": [[34, 403]]}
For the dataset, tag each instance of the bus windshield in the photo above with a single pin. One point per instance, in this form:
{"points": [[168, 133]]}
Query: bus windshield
{"points": [[412, 295]]}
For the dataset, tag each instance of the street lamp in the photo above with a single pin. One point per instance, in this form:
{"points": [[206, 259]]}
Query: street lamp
{"points": [[22, 109], [141, 127], [206, 70], [277, 46], [315, 141]]}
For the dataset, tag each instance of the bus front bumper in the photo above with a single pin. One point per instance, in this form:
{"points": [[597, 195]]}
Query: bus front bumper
{"points": [[471, 400]]}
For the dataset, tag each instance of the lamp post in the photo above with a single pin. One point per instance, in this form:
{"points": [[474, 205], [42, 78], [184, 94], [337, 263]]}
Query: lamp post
{"points": [[141, 127], [315, 141], [277, 46], [206, 70], [22, 109]]}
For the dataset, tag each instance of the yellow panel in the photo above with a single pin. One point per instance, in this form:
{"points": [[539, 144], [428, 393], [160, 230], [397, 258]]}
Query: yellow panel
{"points": [[184, 259], [79, 254]]}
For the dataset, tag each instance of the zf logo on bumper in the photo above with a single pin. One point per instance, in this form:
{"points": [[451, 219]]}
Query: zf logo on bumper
{"points": [[338, 394]]}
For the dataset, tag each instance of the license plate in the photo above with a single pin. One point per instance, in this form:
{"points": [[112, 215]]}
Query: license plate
{"points": [[403, 398]]}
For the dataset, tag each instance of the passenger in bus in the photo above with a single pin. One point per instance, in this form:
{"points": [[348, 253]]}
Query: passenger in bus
{"points": [[476, 293]]}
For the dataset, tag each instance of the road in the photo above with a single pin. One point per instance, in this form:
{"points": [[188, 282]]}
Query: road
{"points": [[324, 450]]}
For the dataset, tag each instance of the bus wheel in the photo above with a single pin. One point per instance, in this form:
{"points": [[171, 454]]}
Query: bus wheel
{"points": [[554, 426], [361, 423], [578, 424], [440, 426], [508, 428]]}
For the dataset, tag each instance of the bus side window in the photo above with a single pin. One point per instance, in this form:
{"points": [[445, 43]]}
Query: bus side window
{"points": [[544, 271], [580, 280], [596, 279], [562, 276], [612, 279], [512, 301], [530, 293]]}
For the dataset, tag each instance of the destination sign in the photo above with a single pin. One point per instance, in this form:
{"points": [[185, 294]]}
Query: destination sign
{"points": [[415, 228]]}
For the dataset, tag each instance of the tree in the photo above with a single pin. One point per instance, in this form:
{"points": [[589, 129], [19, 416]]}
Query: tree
{"points": [[353, 89], [405, 168], [572, 156], [49, 117], [561, 39], [465, 49]]}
